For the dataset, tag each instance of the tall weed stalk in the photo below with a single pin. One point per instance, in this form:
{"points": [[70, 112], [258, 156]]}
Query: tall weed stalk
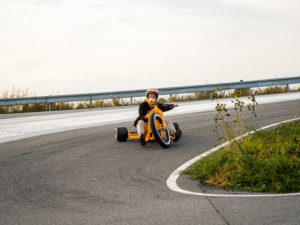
{"points": [[229, 125]]}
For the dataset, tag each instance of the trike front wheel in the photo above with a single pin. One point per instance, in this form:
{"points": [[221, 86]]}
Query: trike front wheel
{"points": [[162, 136]]}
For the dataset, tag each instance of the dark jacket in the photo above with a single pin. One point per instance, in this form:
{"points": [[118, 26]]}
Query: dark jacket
{"points": [[144, 108]]}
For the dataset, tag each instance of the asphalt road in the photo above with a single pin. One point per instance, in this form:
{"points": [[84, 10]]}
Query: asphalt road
{"points": [[85, 177]]}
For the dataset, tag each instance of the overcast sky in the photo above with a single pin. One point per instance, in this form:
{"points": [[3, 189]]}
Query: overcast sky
{"points": [[81, 46]]}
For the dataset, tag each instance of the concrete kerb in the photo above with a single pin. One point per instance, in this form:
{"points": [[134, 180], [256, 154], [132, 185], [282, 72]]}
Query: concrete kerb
{"points": [[172, 179]]}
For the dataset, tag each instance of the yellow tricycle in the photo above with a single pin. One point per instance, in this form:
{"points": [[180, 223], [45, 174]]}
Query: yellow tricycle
{"points": [[157, 129]]}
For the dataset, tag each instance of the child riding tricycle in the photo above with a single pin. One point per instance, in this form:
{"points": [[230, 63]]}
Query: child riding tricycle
{"points": [[151, 123]]}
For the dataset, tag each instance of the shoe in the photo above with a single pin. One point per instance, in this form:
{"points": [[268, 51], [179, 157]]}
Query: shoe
{"points": [[142, 139], [177, 135]]}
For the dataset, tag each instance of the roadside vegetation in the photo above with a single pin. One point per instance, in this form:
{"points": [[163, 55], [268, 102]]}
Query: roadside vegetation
{"points": [[267, 161], [230, 93], [18, 93]]}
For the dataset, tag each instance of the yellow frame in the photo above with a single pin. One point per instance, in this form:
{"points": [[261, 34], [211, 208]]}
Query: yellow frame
{"points": [[149, 135]]}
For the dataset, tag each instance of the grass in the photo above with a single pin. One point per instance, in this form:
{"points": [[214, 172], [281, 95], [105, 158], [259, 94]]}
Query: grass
{"points": [[17, 93], [268, 161], [230, 93]]}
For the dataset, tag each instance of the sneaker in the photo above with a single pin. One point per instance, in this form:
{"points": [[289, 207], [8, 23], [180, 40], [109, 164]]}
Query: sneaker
{"points": [[142, 139], [177, 135]]}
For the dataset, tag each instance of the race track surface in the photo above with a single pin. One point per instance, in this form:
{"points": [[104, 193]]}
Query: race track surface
{"points": [[84, 176]]}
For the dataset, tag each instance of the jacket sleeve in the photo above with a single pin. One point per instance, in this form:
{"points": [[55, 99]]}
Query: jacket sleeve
{"points": [[142, 114], [143, 109], [165, 107]]}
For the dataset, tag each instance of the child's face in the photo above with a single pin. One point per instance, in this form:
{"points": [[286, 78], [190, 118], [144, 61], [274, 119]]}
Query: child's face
{"points": [[153, 96]]}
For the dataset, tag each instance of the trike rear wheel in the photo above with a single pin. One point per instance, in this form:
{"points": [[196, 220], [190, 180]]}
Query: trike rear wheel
{"points": [[121, 133]]}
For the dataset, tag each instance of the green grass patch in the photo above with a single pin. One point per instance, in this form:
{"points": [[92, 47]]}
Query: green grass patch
{"points": [[268, 161]]}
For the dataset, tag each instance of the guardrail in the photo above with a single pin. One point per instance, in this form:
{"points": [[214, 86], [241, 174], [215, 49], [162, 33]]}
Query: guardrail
{"points": [[139, 93]]}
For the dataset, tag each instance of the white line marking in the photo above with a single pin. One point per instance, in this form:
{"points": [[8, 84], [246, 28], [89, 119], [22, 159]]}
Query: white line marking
{"points": [[172, 180]]}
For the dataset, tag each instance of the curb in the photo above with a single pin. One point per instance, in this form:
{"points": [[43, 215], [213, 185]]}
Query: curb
{"points": [[172, 179]]}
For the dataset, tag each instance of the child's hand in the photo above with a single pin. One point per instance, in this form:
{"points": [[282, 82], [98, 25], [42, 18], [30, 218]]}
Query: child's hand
{"points": [[175, 105]]}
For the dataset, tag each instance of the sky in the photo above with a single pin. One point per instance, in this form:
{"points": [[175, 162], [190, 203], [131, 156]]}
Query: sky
{"points": [[85, 46]]}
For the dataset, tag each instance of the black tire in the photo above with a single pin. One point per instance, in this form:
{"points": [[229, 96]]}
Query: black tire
{"points": [[163, 142], [176, 125], [121, 133]]}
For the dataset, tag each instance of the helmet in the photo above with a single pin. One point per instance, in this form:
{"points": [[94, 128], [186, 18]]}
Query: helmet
{"points": [[152, 91]]}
